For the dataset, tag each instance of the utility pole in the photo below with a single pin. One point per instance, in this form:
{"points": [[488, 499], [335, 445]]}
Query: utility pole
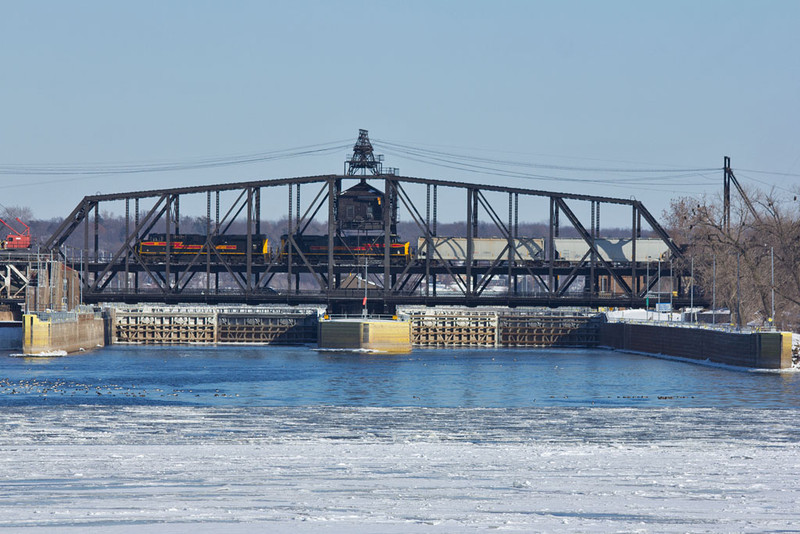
{"points": [[714, 293], [738, 294]]}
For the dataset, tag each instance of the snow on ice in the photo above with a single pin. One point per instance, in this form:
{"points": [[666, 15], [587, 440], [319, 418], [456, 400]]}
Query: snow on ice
{"points": [[134, 469]]}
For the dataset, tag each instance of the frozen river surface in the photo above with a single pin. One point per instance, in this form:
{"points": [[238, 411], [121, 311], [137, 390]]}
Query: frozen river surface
{"points": [[646, 460]]}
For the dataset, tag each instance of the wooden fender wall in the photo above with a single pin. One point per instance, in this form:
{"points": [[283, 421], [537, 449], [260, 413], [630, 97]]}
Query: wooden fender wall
{"points": [[764, 350]]}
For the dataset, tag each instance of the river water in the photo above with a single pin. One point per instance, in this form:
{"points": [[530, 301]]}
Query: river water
{"points": [[451, 378], [288, 439]]}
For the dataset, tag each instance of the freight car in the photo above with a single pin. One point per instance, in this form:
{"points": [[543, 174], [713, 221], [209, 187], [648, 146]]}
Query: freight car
{"points": [[533, 249], [484, 249], [612, 250], [155, 245], [346, 248]]}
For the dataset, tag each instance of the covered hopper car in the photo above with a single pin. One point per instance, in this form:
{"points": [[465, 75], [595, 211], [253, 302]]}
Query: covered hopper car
{"points": [[612, 250], [617, 250], [484, 249]]}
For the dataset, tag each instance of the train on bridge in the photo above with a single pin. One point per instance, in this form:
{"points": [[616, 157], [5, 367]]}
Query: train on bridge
{"points": [[355, 248], [357, 225]]}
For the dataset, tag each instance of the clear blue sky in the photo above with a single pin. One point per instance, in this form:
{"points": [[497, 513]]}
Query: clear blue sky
{"points": [[577, 84]]}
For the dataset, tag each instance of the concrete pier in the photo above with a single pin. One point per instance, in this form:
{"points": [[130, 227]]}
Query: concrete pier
{"points": [[380, 335], [46, 332]]}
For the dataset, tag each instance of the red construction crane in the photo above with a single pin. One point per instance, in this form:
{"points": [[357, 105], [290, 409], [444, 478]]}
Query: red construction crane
{"points": [[16, 239]]}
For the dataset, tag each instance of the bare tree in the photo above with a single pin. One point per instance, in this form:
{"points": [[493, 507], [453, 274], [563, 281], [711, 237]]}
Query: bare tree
{"points": [[737, 262]]}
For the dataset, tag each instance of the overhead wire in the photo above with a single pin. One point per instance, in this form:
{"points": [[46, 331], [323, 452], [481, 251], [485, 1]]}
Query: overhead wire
{"points": [[649, 178], [434, 153], [511, 174], [762, 182], [201, 163], [493, 166]]}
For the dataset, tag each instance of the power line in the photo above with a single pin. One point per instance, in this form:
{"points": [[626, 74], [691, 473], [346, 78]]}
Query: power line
{"points": [[201, 163], [647, 177], [752, 179], [471, 164], [423, 152], [791, 174]]}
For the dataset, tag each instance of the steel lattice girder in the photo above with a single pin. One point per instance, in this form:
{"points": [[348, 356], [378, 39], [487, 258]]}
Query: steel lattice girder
{"points": [[472, 280]]}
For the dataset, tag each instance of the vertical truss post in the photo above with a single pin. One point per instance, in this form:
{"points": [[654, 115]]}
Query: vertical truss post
{"points": [[470, 237], [257, 213], [551, 248], [555, 222], [85, 255], [168, 244], [634, 279], [387, 234], [593, 262], [177, 214], [96, 232], [289, 240], [597, 233], [297, 229], [511, 236], [136, 225], [428, 242], [216, 232], [638, 223], [435, 217], [516, 230], [208, 242], [331, 232], [597, 219], [435, 208], [393, 203], [297, 208], [127, 233], [249, 254], [216, 220], [475, 195]]}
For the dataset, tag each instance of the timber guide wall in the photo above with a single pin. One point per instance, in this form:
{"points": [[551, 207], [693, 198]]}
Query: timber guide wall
{"points": [[459, 327], [763, 350], [177, 325]]}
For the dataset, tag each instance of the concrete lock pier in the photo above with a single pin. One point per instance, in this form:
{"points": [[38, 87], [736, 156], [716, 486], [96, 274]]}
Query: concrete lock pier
{"points": [[50, 332], [389, 335]]}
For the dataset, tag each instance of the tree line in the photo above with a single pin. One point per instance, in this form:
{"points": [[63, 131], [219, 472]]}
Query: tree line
{"points": [[745, 263]]}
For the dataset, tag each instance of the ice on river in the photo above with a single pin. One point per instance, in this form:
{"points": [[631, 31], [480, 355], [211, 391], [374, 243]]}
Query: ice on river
{"points": [[327, 469]]}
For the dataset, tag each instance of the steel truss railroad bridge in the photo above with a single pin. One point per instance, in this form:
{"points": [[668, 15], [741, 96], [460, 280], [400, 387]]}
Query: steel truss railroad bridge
{"points": [[291, 274]]}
